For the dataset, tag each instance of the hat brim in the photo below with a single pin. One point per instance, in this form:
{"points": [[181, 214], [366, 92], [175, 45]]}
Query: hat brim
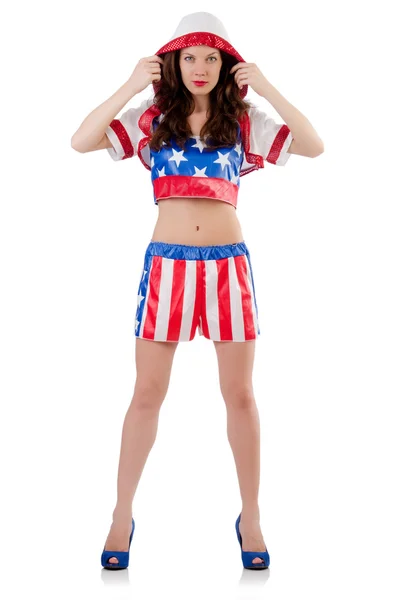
{"points": [[201, 38]]}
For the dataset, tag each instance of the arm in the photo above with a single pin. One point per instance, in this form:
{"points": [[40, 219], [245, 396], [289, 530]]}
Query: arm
{"points": [[305, 141], [91, 133]]}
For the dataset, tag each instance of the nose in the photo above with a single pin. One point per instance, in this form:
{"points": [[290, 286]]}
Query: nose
{"points": [[200, 70]]}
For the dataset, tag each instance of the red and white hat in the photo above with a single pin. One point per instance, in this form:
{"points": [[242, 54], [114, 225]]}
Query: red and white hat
{"points": [[201, 29]]}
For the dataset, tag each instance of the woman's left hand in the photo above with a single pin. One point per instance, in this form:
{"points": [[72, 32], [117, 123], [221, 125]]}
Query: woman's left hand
{"points": [[249, 74]]}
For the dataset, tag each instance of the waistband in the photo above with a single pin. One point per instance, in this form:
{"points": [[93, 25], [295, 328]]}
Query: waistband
{"points": [[185, 252]]}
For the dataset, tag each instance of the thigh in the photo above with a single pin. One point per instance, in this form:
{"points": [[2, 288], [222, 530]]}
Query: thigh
{"points": [[153, 362], [235, 363]]}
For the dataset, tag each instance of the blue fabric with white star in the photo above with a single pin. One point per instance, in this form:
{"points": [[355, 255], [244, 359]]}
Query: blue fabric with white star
{"points": [[224, 163]]}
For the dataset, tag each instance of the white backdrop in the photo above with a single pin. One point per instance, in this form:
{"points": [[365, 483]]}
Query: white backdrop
{"points": [[321, 232]]}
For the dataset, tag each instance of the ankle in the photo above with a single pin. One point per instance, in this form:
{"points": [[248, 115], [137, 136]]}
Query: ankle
{"points": [[250, 513], [122, 513]]}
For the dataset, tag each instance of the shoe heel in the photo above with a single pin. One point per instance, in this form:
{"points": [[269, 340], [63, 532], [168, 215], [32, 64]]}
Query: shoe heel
{"points": [[247, 557], [122, 557]]}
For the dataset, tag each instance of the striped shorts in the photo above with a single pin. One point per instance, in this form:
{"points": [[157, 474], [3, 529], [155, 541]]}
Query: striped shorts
{"points": [[183, 287]]}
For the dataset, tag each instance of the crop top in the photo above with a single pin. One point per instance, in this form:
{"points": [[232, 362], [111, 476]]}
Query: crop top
{"points": [[194, 172]]}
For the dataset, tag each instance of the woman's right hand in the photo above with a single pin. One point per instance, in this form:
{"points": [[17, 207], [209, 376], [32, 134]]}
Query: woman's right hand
{"points": [[147, 70]]}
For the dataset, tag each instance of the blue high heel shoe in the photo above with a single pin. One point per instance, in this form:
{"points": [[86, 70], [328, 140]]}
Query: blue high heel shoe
{"points": [[247, 557], [122, 557]]}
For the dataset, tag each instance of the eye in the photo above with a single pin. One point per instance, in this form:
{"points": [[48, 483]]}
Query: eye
{"points": [[214, 57]]}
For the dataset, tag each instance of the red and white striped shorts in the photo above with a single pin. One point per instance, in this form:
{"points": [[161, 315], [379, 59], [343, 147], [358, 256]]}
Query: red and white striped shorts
{"points": [[183, 287]]}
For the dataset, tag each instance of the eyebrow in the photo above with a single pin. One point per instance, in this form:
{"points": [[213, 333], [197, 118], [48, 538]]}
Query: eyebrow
{"points": [[189, 53]]}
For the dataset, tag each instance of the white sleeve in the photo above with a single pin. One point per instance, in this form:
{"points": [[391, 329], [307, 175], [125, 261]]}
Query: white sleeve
{"points": [[124, 132], [269, 139]]}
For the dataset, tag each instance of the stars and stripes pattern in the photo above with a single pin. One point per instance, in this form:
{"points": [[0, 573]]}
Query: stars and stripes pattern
{"points": [[195, 172], [215, 294]]}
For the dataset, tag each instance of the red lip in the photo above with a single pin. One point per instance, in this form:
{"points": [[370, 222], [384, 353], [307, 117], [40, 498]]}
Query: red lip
{"points": [[200, 82]]}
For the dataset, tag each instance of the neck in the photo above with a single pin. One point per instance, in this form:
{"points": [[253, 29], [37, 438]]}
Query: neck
{"points": [[201, 104]]}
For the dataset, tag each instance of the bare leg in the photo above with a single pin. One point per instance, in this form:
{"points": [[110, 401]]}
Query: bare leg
{"points": [[139, 432], [235, 361]]}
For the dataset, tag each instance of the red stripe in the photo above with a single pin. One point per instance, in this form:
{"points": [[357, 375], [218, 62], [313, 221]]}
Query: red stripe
{"points": [[186, 186], [197, 299], [153, 298], [246, 298], [255, 159], [206, 332], [144, 124], [176, 305], [278, 144], [223, 291], [123, 137]]}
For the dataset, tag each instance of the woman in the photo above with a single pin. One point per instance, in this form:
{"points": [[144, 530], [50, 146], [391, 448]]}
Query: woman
{"points": [[197, 136]]}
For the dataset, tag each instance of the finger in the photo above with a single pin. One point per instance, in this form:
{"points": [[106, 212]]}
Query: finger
{"points": [[243, 78], [155, 58], [241, 81], [243, 70], [237, 66]]}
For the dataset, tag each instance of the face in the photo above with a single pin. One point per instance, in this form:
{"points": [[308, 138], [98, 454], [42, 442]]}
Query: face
{"points": [[200, 63]]}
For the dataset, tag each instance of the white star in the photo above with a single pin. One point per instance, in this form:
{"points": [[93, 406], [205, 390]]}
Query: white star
{"points": [[223, 159], [200, 172], [161, 172], [234, 179], [237, 148], [199, 144], [152, 162], [143, 274], [178, 156], [136, 324], [140, 298]]}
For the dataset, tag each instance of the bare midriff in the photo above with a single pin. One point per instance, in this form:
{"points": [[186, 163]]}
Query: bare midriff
{"points": [[197, 222]]}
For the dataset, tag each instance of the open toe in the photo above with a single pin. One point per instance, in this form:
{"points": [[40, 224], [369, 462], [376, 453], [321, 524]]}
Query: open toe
{"points": [[250, 559], [122, 558]]}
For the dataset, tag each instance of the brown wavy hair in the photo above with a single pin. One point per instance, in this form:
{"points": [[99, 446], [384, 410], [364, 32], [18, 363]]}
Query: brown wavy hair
{"points": [[176, 103]]}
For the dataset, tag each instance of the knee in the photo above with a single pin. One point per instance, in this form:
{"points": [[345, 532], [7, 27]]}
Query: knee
{"points": [[148, 395], [239, 397]]}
